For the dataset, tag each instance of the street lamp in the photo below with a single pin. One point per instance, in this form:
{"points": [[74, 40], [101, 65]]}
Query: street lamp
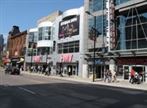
{"points": [[94, 42], [46, 56], [32, 48]]}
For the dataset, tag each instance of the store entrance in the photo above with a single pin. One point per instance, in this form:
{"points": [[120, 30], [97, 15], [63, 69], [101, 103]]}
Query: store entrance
{"points": [[100, 70], [68, 68]]}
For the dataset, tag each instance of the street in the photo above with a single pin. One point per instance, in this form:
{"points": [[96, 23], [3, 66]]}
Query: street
{"points": [[28, 91]]}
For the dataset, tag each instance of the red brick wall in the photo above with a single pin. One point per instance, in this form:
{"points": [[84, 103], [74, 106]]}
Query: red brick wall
{"points": [[16, 44]]}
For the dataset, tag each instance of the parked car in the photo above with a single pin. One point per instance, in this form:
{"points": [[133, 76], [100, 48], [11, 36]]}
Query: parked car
{"points": [[12, 70], [8, 69]]}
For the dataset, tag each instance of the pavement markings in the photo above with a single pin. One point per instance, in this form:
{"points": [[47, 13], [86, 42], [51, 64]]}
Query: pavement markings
{"points": [[27, 90]]}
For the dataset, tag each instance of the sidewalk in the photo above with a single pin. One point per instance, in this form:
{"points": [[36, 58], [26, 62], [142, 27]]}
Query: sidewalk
{"points": [[120, 83]]}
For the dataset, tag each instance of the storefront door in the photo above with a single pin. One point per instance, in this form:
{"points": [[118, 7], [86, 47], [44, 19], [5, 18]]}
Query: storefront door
{"points": [[100, 70]]}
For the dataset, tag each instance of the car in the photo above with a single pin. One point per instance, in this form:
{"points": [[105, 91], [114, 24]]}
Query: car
{"points": [[8, 69], [13, 70]]}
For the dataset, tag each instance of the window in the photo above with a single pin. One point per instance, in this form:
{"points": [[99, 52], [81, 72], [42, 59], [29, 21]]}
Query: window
{"points": [[44, 51], [44, 33], [96, 5], [117, 2], [132, 31], [101, 24], [68, 47]]}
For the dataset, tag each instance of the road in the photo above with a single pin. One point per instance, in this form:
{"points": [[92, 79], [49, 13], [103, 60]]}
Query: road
{"points": [[28, 91]]}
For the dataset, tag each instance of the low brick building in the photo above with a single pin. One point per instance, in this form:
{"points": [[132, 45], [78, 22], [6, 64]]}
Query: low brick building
{"points": [[16, 43]]}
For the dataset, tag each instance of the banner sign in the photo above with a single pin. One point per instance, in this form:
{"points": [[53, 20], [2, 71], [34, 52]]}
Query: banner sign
{"points": [[66, 57], [132, 61], [69, 28]]}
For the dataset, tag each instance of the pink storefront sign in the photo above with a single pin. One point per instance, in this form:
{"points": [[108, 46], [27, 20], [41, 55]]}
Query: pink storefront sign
{"points": [[37, 59], [66, 57]]}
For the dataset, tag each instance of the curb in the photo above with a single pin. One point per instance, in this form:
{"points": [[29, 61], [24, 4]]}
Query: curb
{"points": [[120, 84]]}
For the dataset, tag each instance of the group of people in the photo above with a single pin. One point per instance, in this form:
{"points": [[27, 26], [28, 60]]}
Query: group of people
{"points": [[136, 77], [45, 69], [66, 70], [109, 76]]}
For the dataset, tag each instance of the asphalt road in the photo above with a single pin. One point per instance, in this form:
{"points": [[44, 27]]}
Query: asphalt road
{"points": [[27, 91]]}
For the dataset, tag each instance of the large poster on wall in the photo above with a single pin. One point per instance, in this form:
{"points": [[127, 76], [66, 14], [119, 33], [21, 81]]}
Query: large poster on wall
{"points": [[69, 28]]}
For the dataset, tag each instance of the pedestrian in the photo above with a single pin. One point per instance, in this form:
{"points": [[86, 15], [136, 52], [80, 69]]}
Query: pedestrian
{"points": [[109, 76], [57, 70], [105, 75], [69, 71], [65, 70], [114, 76], [49, 70], [61, 72], [132, 74], [74, 70]]}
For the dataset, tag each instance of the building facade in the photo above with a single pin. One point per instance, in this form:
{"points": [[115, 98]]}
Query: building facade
{"points": [[68, 42], [16, 44], [61, 43], [1, 43], [1, 48], [123, 23], [40, 42], [130, 44], [31, 46], [95, 33]]}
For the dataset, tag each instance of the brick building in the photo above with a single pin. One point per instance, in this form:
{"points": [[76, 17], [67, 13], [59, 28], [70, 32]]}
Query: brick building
{"points": [[16, 43]]}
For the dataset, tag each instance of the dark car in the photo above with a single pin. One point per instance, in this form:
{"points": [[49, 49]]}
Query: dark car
{"points": [[12, 70], [8, 69]]}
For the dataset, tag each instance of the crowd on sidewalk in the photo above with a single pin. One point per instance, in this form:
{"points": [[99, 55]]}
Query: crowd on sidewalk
{"points": [[46, 69], [135, 77], [109, 76]]}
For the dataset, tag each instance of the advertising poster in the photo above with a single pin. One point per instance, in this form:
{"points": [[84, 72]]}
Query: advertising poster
{"points": [[69, 28]]}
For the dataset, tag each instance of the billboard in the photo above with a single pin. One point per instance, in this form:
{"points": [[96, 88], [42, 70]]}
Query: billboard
{"points": [[69, 27]]}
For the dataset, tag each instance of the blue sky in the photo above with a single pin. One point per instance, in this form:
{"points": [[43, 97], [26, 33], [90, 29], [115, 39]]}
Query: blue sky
{"points": [[25, 13]]}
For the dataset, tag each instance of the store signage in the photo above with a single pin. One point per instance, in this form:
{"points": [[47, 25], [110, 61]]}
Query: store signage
{"points": [[111, 30], [98, 61], [37, 59], [112, 25], [69, 27], [132, 61], [66, 57]]}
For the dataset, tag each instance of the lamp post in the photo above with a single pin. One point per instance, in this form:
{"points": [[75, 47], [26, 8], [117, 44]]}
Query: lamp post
{"points": [[46, 56], [94, 42], [32, 47]]}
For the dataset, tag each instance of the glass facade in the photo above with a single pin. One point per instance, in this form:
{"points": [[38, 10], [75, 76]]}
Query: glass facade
{"points": [[118, 2], [132, 31], [96, 5], [101, 24], [68, 47], [44, 51], [33, 37], [45, 33], [32, 43]]}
